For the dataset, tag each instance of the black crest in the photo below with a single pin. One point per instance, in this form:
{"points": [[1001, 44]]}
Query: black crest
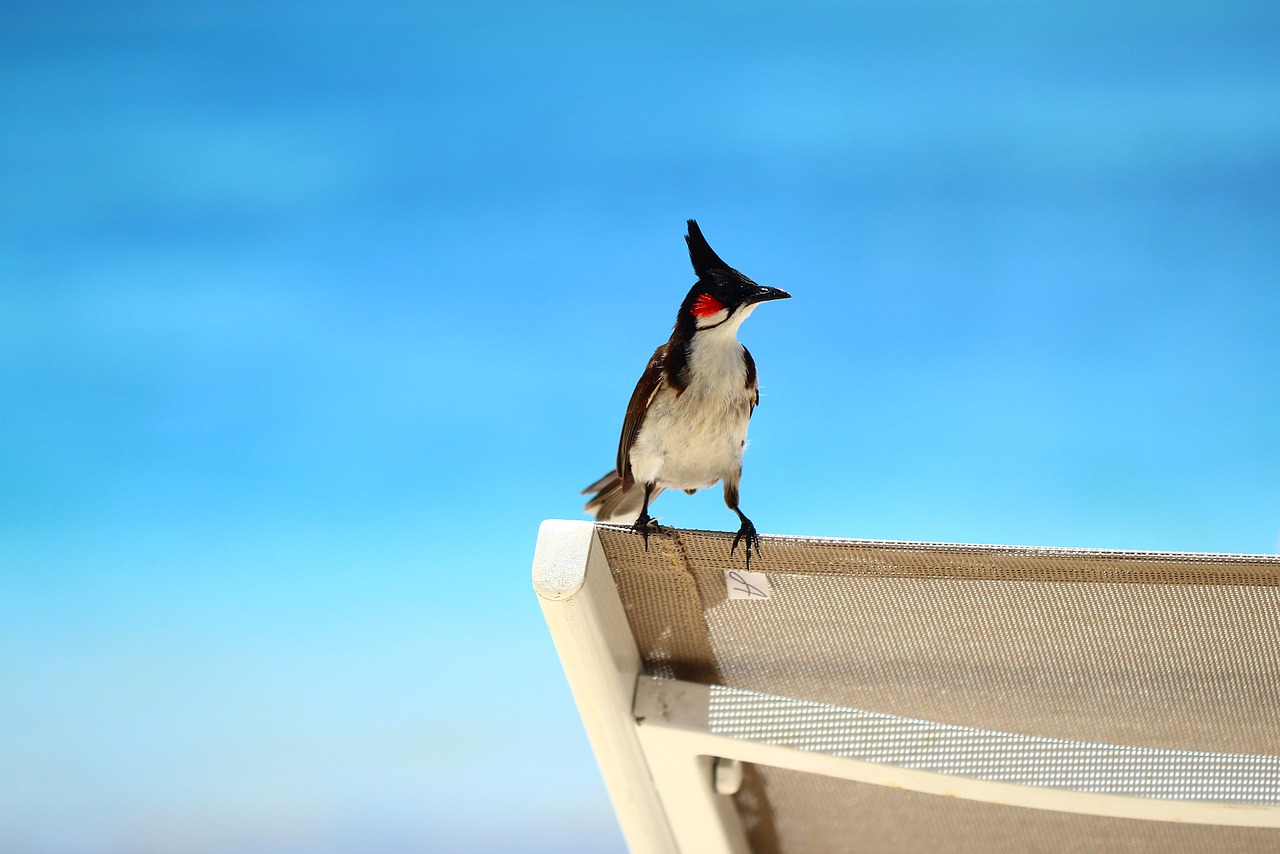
{"points": [[703, 257]]}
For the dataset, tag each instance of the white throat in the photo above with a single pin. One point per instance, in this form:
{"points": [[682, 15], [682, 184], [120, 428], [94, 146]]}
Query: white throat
{"points": [[724, 322]]}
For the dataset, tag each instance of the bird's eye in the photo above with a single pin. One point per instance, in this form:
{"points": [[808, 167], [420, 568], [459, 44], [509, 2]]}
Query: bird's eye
{"points": [[706, 305]]}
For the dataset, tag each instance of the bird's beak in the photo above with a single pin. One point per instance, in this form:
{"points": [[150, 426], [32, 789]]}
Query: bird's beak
{"points": [[764, 294]]}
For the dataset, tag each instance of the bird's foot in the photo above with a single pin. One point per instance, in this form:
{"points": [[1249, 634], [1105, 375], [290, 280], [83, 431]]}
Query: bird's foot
{"points": [[646, 524], [747, 535]]}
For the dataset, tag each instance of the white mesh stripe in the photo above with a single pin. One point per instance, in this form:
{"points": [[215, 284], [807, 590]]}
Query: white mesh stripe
{"points": [[995, 756]]}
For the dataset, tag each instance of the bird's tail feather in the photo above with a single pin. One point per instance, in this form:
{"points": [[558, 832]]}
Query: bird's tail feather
{"points": [[611, 503]]}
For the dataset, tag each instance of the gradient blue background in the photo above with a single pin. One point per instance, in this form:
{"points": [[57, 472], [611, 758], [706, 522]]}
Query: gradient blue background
{"points": [[310, 312]]}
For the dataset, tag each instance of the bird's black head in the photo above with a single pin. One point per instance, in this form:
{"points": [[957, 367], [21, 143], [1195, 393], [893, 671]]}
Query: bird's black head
{"points": [[721, 294]]}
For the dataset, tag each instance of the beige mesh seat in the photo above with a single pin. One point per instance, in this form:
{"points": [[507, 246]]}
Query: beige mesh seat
{"points": [[851, 695]]}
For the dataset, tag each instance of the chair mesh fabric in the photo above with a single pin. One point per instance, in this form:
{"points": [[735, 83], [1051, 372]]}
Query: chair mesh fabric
{"points": [[822, 815], [1001, 757], [1141, 651]]}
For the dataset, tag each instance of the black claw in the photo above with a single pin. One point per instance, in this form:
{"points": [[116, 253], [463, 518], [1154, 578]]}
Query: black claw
{"points": [[644, 524], [747, 534]]}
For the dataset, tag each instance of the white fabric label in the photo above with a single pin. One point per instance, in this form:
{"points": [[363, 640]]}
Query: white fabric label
{"points": [[746, 585]]}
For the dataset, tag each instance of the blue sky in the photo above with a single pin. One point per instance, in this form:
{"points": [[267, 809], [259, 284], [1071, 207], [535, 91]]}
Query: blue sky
{"points": [[311, 312]]}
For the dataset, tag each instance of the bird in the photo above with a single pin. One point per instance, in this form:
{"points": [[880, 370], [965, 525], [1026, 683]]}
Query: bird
{"points": [[686, 423]]}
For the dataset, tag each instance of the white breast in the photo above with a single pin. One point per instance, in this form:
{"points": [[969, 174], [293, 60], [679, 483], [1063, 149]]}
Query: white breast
{"points": [[696, 439]]}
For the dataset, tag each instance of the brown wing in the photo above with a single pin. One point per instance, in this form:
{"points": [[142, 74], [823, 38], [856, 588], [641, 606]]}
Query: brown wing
{"points": [[650, 380], [753, 383]]}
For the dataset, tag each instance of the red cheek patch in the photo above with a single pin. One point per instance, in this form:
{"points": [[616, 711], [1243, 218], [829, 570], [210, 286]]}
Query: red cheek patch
{"points": [[706, 305]]}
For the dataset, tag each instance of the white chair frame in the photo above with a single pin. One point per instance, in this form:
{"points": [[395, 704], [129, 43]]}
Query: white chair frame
{"points": [[670, 771]]}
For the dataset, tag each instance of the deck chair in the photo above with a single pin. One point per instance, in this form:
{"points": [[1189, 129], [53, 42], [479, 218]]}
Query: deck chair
{"points": [[868, 696]]}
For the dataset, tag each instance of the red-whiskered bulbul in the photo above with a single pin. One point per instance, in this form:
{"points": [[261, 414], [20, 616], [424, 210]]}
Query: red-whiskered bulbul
{"points": [[686, 424]]}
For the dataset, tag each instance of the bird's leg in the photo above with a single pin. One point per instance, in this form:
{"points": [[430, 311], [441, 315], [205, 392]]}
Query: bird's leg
{"points": [[746, 534], [747, 531], [644, 521]]}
